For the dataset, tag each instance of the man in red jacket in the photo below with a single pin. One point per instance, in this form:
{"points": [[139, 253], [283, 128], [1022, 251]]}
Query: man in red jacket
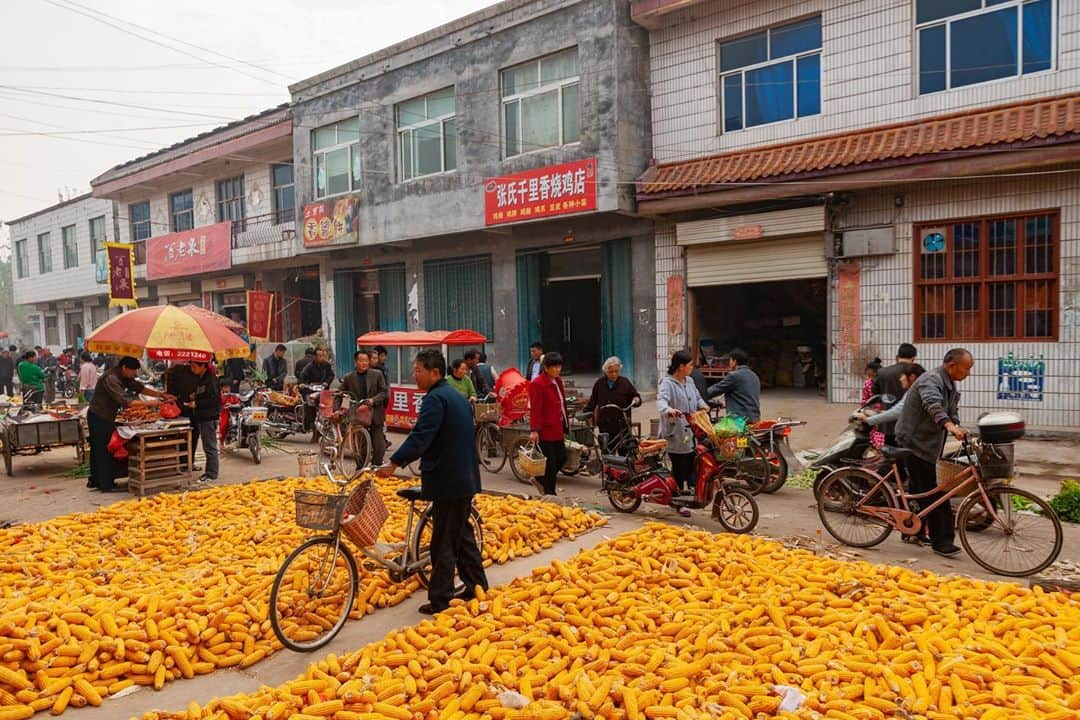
{"points": [[548, 419]]}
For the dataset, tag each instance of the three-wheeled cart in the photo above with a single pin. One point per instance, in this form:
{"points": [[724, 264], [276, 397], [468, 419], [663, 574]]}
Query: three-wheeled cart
{"points": [[37, 434]]}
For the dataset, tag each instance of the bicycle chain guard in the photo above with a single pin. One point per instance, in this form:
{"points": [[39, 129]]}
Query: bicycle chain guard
{"points": [[905, 521]]}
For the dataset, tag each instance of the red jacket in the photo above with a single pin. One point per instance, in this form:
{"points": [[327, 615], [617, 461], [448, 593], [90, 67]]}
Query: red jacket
{"points": [[547, 411]]}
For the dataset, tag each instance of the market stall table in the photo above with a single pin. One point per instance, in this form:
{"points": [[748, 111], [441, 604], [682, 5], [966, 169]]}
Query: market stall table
{"points": [[160, 455], [33, 433]]}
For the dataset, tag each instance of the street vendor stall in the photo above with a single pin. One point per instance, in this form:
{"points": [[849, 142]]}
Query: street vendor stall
{"points": [[36, 432], [404, 403]]}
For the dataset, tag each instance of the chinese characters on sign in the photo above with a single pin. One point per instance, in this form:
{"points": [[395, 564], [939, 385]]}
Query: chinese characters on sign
{"points": [[331, 223], [121, 259], [404, 407], [259, 306], [676, 294], [850, 312], [556, 190], [1021, 378], [190, 252]]}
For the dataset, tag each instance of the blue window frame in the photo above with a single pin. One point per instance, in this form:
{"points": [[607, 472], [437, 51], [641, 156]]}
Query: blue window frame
{"points": [[967, 42], [771, 75]]}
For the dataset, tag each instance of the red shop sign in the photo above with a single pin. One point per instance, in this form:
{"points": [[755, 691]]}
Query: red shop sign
{"points": [[557, 190], [403, 407], [190, 252]]}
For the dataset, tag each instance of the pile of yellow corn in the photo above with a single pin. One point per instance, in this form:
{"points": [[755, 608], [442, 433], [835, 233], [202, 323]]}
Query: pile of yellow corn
{"points": [[178, 585], [670, 623]]}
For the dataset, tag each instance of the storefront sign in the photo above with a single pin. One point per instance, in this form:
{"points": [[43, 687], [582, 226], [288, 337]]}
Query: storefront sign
{"points": [[121, 259], [676, 308], [259, 307], [747, 232], [190, 252], [333, 222], [546, 192], [1021, 378], [404, 407], [849, 312]]}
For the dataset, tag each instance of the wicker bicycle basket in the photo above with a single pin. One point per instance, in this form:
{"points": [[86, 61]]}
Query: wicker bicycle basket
{"points": [[531, 461], [950, 475], [317, 510], [487, 412], [365, 513]]}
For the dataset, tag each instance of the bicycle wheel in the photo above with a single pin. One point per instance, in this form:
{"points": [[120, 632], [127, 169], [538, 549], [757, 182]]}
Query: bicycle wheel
{"points": [[841, 491], [752, 469], [736, 510], [330, 445], [516, 469], [488, 447], [360, 446], [1023, 538], [313, 594], [422, 545]]}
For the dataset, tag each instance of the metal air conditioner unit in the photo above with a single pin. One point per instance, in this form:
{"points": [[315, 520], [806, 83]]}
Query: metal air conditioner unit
{"points": [[861, 242]]}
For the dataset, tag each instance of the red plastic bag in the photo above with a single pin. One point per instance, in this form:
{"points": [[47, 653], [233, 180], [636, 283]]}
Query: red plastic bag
{"points": [[169, 410], [513, 393], [117, 447]]}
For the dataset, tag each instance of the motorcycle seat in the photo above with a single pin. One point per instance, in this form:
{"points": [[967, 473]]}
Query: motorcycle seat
{"points": [[410, 493], [895, 453], [237, 407], [616, 460]]}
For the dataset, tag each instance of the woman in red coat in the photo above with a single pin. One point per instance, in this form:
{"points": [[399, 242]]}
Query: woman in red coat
{"points": [[548, 419]]}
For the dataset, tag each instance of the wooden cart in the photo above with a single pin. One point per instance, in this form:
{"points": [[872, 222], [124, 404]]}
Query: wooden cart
{"points": [[32, 438], [159, 458]]}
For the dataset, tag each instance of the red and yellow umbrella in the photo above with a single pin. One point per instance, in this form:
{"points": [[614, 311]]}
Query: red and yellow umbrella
{"points": [[166, 332]]}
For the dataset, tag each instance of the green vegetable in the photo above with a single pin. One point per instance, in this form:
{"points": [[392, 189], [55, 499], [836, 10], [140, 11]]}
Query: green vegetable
{"points": [[1067, 502]]}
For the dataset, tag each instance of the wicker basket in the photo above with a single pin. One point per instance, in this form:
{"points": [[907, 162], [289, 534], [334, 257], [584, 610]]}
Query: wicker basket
{"points": [[365, 513], [950, 475], [487, 412], [317, 510], [280, 399], [531, 461]]}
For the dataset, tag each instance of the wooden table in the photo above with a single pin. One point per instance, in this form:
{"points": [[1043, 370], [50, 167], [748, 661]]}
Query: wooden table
{"points": [[159, 458]]}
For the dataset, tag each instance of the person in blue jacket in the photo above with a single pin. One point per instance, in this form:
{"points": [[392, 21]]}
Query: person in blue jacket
{"points": [[443, 441]]}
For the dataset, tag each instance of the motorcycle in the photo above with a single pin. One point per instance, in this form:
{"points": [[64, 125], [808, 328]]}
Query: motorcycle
{"points": [[283, 419], [65, 381], [853, 447], [640, 475], [242, 423], [773, 436]]}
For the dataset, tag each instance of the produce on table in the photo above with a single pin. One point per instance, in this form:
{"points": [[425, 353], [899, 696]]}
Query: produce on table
{"points": [[137, 414], [666, 622], [144, 592]]}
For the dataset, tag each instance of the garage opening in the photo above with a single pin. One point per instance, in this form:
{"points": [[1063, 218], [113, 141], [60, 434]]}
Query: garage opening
{"points": [[781, 324]]}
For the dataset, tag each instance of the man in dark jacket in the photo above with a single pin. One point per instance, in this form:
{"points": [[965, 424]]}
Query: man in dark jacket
{"points": [[369, 386], [7, 372], [481, 381], [449, 476], [887, 382], [309, 357], [932, 409], [318, 372], [741, 388], [276, 367], [199, 397]]}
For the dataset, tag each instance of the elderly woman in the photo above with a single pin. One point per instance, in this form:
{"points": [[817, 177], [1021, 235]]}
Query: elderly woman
{"points": [[612, 389]]}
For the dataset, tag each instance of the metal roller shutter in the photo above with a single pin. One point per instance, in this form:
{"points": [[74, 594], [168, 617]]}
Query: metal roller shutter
{"points": [[757, 261], [457, 295]]}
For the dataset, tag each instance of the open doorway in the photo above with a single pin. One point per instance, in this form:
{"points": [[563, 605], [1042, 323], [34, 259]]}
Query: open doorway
{"points": [[570, 307]]}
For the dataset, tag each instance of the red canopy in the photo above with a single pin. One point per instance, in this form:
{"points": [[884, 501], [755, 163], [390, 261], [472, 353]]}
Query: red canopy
{"points": [[421, 337]]}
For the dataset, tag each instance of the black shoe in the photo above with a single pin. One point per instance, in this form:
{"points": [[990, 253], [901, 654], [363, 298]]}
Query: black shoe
{"points": [[948, 551], [91, 484], [916, 539], [113, 489], [429, 609]]}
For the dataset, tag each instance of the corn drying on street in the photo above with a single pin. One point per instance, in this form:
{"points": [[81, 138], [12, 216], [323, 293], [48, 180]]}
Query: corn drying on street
{"points": [[142, 593]]}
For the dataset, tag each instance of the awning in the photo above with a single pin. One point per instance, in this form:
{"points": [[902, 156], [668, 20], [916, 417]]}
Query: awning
{"points": [[421, 337]]}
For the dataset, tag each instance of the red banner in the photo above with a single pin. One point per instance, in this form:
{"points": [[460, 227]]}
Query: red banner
{"points": [[121, 259], [850, 315], [191, 252], [676, 309], [259, 307], [556, 190], [403, 407]]}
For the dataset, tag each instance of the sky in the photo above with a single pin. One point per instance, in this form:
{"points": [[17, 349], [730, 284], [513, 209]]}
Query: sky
{"points": [[88, 84]]}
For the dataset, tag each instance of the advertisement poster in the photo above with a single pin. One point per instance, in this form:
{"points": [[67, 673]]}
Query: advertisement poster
{"points": [[1021, 378], [121, 259], [557, 190], [404, 407], [333, 222], [191, 252], [260, 305]]}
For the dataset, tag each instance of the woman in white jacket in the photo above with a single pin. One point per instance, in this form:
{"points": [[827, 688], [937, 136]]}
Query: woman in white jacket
{"points": [[676, 399]]}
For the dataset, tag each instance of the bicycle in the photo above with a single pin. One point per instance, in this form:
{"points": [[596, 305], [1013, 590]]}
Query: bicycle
{"points": [[489, 440], [869, 504], [339, 433], [315, 588]]}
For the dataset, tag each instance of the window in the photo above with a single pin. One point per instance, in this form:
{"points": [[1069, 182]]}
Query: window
{"points": [[281, 178], [964, 42], [987, 279], [230, 200], [44, 253], [140, 221], [772, 75], [427, 135], [69, 246], [541, 102], [181, 211], [97, 237], [22, 259], [336, 150]]}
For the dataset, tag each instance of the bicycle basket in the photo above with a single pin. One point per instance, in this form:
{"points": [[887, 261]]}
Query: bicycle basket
{"points": [[317, 510], [487, 412], [996, 461], [950, 475], [358, 413], [365, 513], [531, 461], [326, 403]]}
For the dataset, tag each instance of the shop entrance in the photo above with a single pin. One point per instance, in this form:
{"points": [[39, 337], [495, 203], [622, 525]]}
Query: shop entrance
{"points": [[781, 324], [571, 310]]}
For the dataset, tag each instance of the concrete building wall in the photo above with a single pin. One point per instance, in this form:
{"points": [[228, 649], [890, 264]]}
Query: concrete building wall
{"points": [[887, 293], [868, 72]]}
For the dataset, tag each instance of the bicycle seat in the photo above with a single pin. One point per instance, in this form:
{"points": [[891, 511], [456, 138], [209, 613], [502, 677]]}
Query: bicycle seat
{"points": [[895, 453], [410, 493]]}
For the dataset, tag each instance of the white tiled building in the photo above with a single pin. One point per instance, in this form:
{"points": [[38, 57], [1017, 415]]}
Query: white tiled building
{"points": [[847, 176]]}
